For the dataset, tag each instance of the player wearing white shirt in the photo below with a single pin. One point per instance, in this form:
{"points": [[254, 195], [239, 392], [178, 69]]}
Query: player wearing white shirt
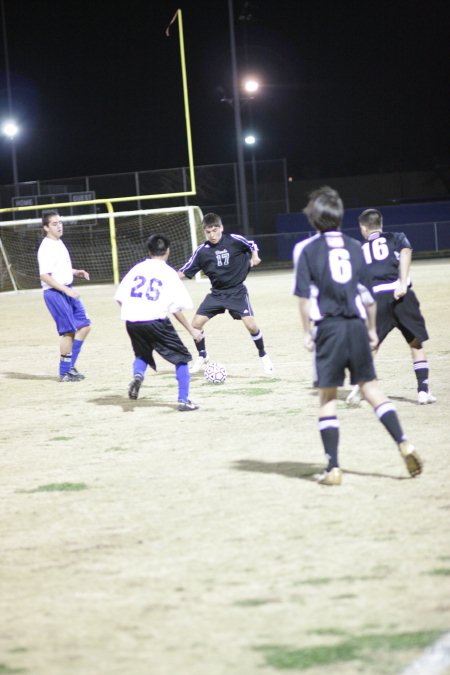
{"points": [[147, 295], [56, 274]]}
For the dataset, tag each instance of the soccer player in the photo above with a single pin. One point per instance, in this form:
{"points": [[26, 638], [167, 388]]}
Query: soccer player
{"points": [[333, 285], [388, 256], [226, 260], [56, 274], [147, 294]]}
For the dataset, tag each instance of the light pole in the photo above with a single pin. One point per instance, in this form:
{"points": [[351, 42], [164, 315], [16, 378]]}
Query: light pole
{"points": [[10, 129], [250, 140], [238, 124]]}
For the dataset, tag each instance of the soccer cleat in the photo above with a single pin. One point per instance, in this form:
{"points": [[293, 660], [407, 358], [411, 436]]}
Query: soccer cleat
{"points": [[331, 477], [354, 398], [69, 377], [267, 364], [79, 376], [424, 397], [411, 458], [200, 362], [134, 386], [186, 406]]}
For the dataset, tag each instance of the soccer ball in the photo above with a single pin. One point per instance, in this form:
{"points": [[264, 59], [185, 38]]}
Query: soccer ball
{"points": [[215, 373]]}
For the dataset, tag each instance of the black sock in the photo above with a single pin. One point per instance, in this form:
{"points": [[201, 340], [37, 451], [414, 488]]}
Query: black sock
{"points": [[329, 432], [259, 343], [201, 347], [421, 372], [388, 417]]}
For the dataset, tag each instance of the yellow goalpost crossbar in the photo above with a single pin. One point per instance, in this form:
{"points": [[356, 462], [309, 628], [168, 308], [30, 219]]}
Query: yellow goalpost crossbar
{"points": [[117, 200]]}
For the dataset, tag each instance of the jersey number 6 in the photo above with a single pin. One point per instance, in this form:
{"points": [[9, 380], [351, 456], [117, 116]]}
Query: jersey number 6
{"points": [[340, 265]]}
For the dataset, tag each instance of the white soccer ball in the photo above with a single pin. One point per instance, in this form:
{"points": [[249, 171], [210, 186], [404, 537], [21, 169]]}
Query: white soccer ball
{"points": [[215, 373]]}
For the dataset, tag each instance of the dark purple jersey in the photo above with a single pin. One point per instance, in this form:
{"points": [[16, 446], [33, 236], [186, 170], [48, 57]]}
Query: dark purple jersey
{"points": [[330, 271], [226, 264], [382, 255]]}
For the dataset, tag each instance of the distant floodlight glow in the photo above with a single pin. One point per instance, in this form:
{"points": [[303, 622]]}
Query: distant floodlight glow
{"points": [[251, 86], [250, 139], [10, 129]]}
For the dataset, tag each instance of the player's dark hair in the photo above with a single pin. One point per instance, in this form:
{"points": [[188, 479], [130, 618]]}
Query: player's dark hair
{"points": [[325, 209], [158, 244], [211, 219], [371, 218], [47, 215]]}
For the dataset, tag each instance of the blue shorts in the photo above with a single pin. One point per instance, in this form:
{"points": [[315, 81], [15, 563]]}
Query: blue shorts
{"points": [[69, 313]]}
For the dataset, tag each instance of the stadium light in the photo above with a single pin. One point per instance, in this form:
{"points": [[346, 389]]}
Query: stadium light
{"points": [[251, 85], [10, 129]]}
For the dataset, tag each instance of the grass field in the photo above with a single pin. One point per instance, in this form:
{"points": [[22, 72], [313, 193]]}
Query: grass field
{"points": [[136, 540]]}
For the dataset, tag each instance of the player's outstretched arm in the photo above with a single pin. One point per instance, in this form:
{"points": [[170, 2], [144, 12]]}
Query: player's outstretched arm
{"points": [[81, 274], [255, 259], [403, 273], [50, 281], [308, 340], [196, 334], [371, 325]]}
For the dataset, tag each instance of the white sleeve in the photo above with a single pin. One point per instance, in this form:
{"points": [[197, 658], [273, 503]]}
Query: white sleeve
{"points": [[123, 291], [180, 296]]}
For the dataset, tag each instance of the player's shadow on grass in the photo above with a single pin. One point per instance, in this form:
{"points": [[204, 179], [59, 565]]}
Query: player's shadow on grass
{"points": [[403, 399], [302, 470], [128, 405], [343, 393], [375, 475], [29, 376]]}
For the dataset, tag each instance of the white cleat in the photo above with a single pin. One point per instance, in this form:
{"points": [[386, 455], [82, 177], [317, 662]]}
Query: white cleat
{"points": [[267, 364], [354, 398], [199, 363], [412, 460], [331, 477], [424, 397]]}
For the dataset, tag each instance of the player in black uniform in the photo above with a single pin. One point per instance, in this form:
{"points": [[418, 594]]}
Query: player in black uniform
{"points": [[226, 260], [333, 284], [388, 256]]}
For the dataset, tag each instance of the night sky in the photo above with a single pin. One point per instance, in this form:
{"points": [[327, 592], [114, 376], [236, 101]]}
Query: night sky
{"points": [[348, 87]]}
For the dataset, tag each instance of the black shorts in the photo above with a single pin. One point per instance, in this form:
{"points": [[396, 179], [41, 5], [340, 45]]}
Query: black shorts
{"points": [[160, 336], [235, 300], [403, 314], [343, 344]]}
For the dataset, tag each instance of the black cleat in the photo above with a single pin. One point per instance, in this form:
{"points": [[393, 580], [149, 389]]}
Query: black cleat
{"points": [[69, 377], [135, 385], [79, 376]]}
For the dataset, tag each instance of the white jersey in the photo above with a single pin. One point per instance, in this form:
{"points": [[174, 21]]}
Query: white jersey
{"points": [[151, 290], [54, 259]]}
